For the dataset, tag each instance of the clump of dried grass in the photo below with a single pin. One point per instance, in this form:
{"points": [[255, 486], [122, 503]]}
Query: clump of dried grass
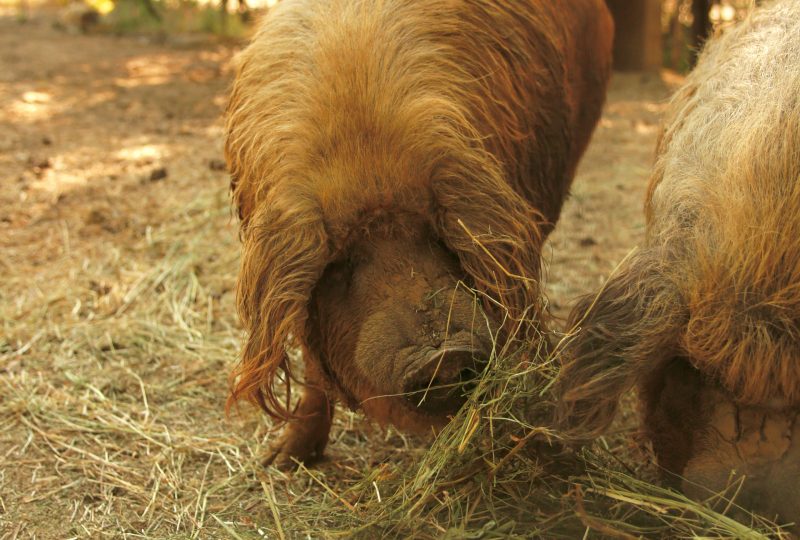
{"points": [[497, 472], [113, 365], [111, 368]]}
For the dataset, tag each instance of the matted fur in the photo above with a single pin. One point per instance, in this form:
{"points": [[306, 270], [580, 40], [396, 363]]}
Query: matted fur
{"points": [[718, 279], [472, 114]]}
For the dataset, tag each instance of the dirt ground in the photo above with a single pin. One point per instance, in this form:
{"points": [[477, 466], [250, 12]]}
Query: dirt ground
{"points": [[119, 256]]}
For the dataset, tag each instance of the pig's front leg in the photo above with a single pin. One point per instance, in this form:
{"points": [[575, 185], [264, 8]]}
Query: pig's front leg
{"points": [[304, 438]]}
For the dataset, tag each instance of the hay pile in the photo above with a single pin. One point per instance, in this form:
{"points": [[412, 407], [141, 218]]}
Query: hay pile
{"points": [[495, 473], [113, 374]]}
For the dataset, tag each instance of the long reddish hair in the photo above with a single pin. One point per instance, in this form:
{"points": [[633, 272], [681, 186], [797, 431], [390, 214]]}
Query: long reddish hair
{"points": [[347, 107]]}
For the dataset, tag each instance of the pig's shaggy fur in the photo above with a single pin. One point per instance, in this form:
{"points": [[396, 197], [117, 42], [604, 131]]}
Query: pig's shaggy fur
{"points": [[717, 281], [471, 114]]}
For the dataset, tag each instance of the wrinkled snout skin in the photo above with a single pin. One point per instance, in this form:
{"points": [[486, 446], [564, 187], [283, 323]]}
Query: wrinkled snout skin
{"points": [[757, 447], [401, 335], [751, 454]]}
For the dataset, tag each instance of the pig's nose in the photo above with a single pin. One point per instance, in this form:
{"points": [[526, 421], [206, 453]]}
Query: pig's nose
{"points": [[441, 385]]}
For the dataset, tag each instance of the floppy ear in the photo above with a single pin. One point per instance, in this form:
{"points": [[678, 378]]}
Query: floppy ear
{"points": [[285, 252], [497, 237], [620, 335]]}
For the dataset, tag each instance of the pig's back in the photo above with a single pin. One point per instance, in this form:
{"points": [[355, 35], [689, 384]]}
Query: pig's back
{"points": [[358, 104]]}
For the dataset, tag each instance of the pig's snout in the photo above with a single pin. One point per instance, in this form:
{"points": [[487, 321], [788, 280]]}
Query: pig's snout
{"points": [[441, 384]]}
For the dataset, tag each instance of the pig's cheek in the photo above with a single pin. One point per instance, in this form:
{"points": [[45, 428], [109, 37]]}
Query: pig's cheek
{"points": [[376, 356]]}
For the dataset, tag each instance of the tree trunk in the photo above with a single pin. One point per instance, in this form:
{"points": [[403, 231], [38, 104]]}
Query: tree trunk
{"points": [[637, 41], [701, 26]]}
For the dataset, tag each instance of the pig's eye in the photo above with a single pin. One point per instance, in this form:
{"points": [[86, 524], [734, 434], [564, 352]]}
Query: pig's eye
{"points": [[341, 271]]}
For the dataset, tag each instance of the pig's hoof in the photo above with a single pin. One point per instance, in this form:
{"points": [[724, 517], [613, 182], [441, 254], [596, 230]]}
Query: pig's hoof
{"points": [[296, 445]]}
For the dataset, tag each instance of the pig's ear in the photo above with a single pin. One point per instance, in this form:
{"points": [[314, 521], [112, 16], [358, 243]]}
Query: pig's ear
{"points": [[497, 237], [284, 254], [619, 337]]}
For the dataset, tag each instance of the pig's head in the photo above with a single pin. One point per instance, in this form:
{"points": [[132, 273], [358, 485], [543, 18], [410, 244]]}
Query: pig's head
{"points": [[399, 313], [719, 384], [711, 443], [397, 329], [373, 279]]}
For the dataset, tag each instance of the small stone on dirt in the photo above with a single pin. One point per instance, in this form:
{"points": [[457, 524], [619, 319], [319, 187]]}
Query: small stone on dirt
{"points": [[216, 164], [158, 174], [43, 164], [96, 216], [587, 241]]}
